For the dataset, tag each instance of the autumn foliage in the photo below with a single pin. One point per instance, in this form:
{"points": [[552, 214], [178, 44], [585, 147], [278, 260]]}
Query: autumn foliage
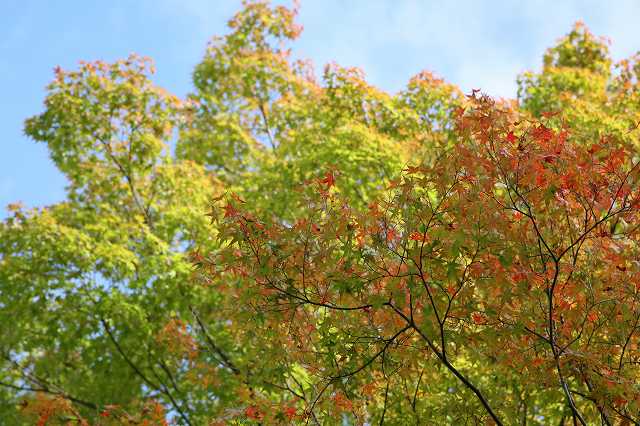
{"points": [[511, 256], [283, 246]]}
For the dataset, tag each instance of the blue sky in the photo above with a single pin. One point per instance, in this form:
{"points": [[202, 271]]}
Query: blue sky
{"points": [[472, 43]]}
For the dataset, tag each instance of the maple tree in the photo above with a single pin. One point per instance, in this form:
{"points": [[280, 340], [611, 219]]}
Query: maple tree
{"points": [[507, 263], [422, 257]]}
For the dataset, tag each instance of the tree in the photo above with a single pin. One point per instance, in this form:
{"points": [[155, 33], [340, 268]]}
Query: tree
{"points": [[579, 78], [96, 289], [90, 284], [507, 265], [106, 318]]}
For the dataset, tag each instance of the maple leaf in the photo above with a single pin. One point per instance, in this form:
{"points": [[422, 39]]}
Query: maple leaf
{"points": [[594, 148], [342, 402], [230, 210], [290, 412], [253, 412], [452, 290], [391, 234], [518, 276], [562, 138], [417, 236], [542, 133], [478, 318], [413, 169], [237, 197], [619, 401], [196, 257], [394, 184], [537, 361], [329, 180]]}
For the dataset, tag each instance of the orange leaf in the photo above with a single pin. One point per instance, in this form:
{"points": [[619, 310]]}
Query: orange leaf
{"points": [[537, 361], [417, 236]]}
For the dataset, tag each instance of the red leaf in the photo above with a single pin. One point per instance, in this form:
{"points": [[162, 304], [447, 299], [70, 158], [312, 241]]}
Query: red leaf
{"points": [[252, 412], [290, 412], [478, 318], [542, 133], [518, 276], [594, 148], [230, 211], [329, 180]]}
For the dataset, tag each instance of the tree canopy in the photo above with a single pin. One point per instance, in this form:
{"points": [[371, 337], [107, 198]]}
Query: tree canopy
{"points": [[281, 247]]}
